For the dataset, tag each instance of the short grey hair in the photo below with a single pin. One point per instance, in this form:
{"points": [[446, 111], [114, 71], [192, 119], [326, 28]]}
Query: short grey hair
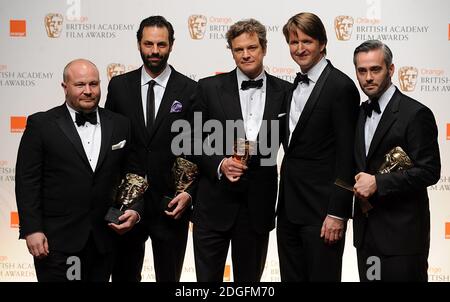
{"points": [[249, 26], [374, 45]]}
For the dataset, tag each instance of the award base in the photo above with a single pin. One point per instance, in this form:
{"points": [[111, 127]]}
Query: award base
{"points": [[113, 215], [165, 204]]}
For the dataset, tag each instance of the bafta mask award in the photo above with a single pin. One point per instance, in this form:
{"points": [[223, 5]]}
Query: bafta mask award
{"points": [[243, 149], [130, 190], [184, 174], [395, 160]]}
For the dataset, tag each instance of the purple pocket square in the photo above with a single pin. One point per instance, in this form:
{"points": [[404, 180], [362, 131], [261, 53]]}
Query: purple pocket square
{"points": [[176, 107]]}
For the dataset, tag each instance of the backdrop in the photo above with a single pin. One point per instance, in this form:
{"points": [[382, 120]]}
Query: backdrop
{"points": [[37, 39]]}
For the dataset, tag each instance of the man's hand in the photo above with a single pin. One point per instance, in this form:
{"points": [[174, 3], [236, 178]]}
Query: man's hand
{"points": [[333, 230], [128, 219], [365, 185], [181, 202], [37, 244], [232, 169]]}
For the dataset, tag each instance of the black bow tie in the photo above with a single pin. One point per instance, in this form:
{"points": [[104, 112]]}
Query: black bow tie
{"points": [[81, 118], [373, 106], [251, 84], [301, 78]]}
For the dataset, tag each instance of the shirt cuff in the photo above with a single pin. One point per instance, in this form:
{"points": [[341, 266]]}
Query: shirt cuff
{"points": [[337, 217], [219, 173]]}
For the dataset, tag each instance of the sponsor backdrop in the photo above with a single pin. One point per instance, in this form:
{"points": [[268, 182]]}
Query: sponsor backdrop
{"points": [[39, 37]]}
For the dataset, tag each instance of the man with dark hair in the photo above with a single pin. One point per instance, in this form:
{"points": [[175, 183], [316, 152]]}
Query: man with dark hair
{"points": [[322, 112], [391, 216], [236, 201], [153, 97]]}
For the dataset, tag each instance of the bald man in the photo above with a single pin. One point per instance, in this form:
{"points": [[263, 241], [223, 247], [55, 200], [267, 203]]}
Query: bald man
{"points": [[69, 161]]}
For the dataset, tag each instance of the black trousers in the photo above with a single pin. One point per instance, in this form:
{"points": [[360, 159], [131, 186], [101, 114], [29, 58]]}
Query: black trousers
{"points": [[303, 254], [87, 265], [378, 267], [248, 251], [169, 239]]}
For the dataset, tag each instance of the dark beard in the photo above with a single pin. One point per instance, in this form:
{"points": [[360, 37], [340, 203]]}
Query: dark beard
{"points": [[155, 69]]}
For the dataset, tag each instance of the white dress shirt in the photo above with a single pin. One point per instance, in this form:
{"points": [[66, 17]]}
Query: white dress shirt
{"points": [[372, 122], [159, 88], [301, 94], [253, 101], [91, 137]]}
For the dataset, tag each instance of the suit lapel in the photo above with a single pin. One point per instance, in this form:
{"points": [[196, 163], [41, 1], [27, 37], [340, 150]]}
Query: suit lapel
{"points": [[65, 122], [387, 119], [229, 97], [311, 102], [360, 145], [134, 83], [272, 104], [107, 129], [170, 94]]}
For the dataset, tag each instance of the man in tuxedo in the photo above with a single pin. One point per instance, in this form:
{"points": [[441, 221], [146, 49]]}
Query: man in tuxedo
{"points": [[69, 163], [321, 118], [394, 234], [236, 202], [153, 97]]}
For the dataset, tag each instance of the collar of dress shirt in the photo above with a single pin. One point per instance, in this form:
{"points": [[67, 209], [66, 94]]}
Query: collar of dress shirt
{"points": [[161, 79], [73, 112], [386, 97], [242, 77], [315, 71]]}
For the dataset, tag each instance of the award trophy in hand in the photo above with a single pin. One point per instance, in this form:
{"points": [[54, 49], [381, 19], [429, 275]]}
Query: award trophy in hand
{"points": [[395, 160], [184, 174], [242, 151], [130, 190]]}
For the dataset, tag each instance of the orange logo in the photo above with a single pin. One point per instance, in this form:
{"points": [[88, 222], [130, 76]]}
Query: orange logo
{"points": [[197, 26], [17, 28], [447, 230], [407, 76], [14, 220], [343, 26], [449, 32], [18, 124], [448, 131], [227, 273]]}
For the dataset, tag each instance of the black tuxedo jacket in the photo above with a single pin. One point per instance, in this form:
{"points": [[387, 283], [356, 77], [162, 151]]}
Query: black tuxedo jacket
{"points": [[320, 150], [151, 152], [218, 201], [57, 192], [400, 220]]}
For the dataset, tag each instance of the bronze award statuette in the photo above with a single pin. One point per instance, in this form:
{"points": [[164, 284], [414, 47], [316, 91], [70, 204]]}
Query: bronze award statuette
{"points": [[243, 150], [395, 160], [130, 190], [184, 174]]}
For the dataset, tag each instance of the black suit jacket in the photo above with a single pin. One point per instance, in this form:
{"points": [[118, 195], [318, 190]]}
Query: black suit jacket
{"points": [[400, 220], [151, 152], [218, 201], [320, 150], [57, 192]]}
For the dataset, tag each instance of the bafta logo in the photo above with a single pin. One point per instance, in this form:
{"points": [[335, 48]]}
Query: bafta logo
{"points": [[343, 26], [407, 76], [114, 69], [53, 24], [184, 174], [130, 191], [197, 26]]}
